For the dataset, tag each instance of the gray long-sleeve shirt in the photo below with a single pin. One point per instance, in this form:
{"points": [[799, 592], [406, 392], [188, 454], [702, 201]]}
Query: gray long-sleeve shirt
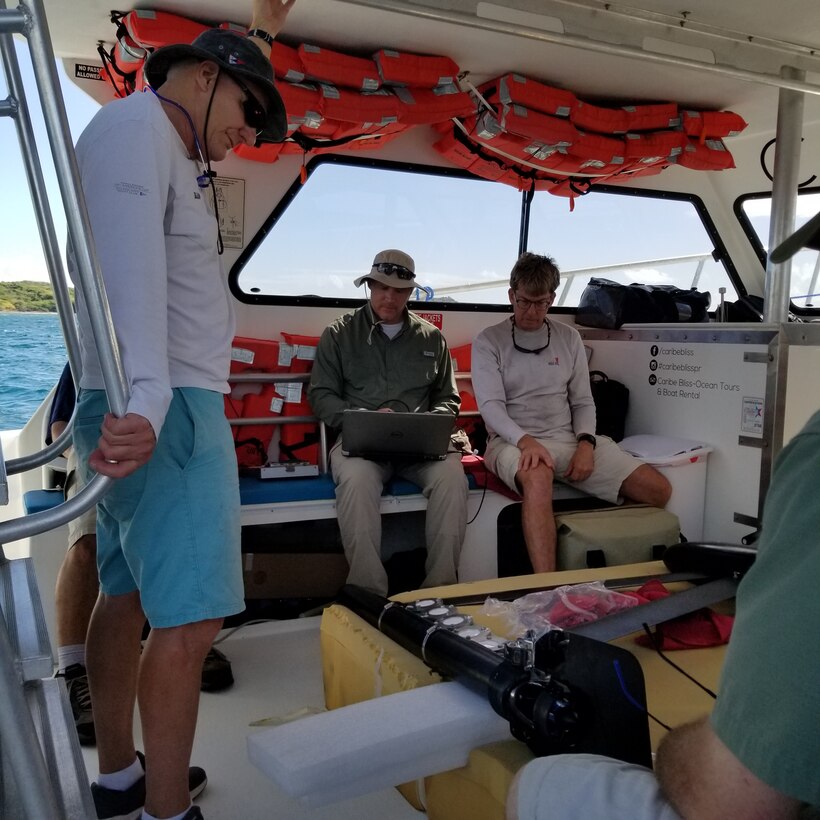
{"points": [[546, 395], [358, 366]]}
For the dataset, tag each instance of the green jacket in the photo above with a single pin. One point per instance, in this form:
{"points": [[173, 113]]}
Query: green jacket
{"points": [[358, 366]]}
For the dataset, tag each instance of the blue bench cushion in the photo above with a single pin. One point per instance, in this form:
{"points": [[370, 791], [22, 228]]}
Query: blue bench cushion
{"points": [[256, 491], [40, 500], [267, 491], [316, 488]]}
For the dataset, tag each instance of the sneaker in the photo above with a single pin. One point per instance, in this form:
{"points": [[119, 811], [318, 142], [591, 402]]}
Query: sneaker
{"points": [[79, 696], [216, 672], [112, 804], [193, 813]]}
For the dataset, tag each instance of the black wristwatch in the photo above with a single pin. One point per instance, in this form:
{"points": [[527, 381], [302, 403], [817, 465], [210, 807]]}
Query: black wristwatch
{"points": [[587, 437], [262, 35]]}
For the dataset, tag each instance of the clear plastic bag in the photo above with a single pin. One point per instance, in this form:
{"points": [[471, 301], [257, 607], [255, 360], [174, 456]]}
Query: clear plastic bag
{"points": [[561, 608]]}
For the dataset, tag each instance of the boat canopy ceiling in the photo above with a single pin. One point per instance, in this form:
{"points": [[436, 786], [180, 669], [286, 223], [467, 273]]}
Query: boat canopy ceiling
{"points": [[725, 53]]}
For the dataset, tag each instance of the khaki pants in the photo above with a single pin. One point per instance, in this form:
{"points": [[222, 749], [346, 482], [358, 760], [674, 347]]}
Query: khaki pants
{"points": [[359, 485]]}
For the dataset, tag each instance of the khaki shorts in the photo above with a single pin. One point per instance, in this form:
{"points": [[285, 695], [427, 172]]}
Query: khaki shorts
{"points": [[85, 524], [612, 465]]}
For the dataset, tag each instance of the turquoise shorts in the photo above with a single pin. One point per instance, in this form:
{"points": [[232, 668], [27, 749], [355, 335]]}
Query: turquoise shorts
{"points": [[171, 529]]}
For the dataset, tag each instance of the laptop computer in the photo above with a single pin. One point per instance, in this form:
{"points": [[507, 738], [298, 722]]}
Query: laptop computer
{"points": [[391, 436]]}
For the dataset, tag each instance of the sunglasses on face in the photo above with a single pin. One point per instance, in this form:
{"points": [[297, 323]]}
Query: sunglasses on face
{"points": [[392, 269], [255, 115]]}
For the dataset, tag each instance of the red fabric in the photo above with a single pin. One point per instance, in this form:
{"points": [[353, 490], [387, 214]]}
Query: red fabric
{"points": [[474, 465], [693, 631], [576, 607]]}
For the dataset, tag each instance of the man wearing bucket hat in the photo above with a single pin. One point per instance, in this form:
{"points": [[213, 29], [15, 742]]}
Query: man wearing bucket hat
{"points": [[382, 357], [168, 530]]}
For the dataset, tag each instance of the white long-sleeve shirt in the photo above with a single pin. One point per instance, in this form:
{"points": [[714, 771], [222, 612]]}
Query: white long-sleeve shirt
{"points": [[546, 395], [155, 235]]}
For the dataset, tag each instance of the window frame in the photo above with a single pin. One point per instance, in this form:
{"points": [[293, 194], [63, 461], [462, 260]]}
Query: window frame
{"points": [[757, 244], [719, 253]]}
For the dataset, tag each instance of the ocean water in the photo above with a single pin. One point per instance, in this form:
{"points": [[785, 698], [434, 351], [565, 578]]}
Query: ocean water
{"points": [[32, 356]]}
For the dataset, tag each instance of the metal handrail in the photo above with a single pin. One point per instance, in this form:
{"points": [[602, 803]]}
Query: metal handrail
{"points": [[81, 245], [570, 275], [35, 789], [26, 762], [30, 525], [19, 111], [41, 457], [30, 21]]}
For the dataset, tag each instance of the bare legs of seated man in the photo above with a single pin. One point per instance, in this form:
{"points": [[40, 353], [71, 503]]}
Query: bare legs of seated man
{"points": [[359, 486], [616, 475]]}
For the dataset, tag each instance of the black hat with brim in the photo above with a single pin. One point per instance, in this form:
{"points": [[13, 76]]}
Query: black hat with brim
{"points": [[806, 237], [236, 55]]}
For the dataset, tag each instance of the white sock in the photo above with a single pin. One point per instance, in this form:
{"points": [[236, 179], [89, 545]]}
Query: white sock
{"points": [[146, 816], [124, 778], [68, 655]]}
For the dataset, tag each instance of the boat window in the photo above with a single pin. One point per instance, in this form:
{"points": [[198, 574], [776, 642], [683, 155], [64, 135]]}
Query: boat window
{"points": [[464, 234], [461, 232], [652, 240], [756, 213]]}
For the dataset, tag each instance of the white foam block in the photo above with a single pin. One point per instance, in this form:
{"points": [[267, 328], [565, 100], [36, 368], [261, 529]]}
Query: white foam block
{"points": [[378, 743]]}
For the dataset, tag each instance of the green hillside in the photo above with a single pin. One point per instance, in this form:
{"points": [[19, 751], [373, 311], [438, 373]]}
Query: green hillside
{"points": [[28, 297]]}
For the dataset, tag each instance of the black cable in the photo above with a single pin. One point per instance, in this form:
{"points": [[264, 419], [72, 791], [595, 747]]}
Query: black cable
{"points": [[631, 699], [220, 247], [483, 493], [657, 647]]}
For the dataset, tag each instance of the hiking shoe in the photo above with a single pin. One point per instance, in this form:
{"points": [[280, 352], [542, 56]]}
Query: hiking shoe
{"points": [[127, 805], [112, 804], [79, 696], [216, 672]]}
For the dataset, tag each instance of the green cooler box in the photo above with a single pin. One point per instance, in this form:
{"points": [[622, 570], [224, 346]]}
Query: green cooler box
{"points": [[614, 535]]}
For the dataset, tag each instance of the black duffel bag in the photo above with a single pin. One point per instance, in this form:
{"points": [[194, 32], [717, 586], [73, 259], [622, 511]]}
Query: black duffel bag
{"points": [[611, 404], [609, 305]]}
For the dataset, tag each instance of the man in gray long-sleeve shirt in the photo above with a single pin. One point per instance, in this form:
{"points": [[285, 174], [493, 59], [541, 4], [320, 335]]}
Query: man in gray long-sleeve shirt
{"points": [[531, 382], [382, 357]]}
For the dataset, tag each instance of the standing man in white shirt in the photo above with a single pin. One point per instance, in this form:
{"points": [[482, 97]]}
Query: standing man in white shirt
{"points": [[168, 530]]}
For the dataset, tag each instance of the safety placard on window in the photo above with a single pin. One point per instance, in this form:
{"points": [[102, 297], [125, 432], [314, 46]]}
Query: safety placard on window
{"points": [[230, 200]]}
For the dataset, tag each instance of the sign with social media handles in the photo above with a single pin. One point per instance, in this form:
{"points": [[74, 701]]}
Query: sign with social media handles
{"points": [[705, 386]]}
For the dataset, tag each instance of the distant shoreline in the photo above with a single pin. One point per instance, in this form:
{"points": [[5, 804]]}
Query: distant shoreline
{"points": [[25, 296]]}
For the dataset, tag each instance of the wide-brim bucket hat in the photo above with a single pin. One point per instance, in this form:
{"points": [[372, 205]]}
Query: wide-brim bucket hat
{"points": [[391, 267], [237, 56]]}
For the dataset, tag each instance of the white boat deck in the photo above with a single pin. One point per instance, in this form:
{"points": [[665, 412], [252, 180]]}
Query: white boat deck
{"points": [[277, 671]]}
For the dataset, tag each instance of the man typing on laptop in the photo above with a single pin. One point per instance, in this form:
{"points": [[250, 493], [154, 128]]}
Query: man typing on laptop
{"points": [[383, 358]]}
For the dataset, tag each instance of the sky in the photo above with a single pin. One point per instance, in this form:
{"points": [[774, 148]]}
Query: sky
{"points": [[21, 256]]}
